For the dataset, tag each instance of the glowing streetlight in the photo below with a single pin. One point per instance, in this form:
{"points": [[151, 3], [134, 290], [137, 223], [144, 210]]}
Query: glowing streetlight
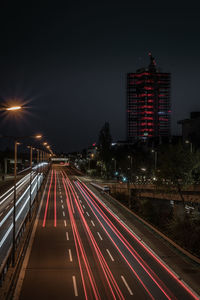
{"points": [[188, 142], [38, 136], [13, 108]]}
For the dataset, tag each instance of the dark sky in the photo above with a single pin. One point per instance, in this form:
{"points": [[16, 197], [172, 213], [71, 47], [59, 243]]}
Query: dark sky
{"points": [[69, 60]]}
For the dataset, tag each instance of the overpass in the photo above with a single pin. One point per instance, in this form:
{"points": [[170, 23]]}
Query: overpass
{"points": [[57, 160]]}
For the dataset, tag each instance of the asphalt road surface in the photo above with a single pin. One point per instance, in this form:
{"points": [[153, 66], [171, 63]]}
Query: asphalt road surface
{"points": [[82, 250]]}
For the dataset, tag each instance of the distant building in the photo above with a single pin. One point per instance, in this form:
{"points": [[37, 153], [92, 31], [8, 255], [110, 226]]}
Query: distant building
{"points": [[92, 151], [148, 103], [191, 128]]}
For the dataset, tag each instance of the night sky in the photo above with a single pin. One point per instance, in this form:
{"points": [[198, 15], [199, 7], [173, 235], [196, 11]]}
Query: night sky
{"points": [[67, 60]]}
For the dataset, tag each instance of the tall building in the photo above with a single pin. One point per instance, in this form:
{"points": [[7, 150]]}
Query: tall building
{"points": [[148, 103]]}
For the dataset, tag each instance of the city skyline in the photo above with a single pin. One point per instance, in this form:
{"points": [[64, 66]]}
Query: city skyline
{"points": [[69, 62]]}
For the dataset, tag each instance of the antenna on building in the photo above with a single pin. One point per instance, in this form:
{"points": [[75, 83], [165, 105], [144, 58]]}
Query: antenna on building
{"points": [[152, 65]]}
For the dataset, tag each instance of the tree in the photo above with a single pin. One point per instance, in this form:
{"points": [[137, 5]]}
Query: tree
{"points": [[104, 146], [178, 167]]}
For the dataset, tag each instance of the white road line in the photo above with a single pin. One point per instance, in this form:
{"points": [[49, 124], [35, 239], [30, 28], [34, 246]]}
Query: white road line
{"points": [[70, 255], [100, 236], [84, 206], [80, 201], [67, 236], [92, 223], [63, 214], [111, 257], [61, 201], [127, 286], [65, 223], [60, 196], [75, 286], [62, 206], [87, 213]]}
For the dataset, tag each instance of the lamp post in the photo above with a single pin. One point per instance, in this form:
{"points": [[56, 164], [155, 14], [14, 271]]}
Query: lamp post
{"points": [[155, 158], [115, 164], [37, 171], [31, 157], [14, 200], [191, 148], [13, 108], [38, 136]]}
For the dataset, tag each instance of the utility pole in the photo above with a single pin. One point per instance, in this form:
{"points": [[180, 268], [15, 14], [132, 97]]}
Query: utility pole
{"points": [[31, 154], [14, 201]]}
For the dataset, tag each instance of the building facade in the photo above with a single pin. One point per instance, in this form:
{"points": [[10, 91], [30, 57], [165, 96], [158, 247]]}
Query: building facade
{"points": [[191, 129], [148, 103]]}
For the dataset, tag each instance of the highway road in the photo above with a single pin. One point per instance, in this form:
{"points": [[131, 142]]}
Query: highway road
{"points": [[81, 249]]}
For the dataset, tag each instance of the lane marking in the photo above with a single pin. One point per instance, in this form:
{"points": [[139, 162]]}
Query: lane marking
{"points": [[63, 214], [75, 286], [80, 201], [100, 236], [111, 257], [87, 213], [127, 286], [70, 255], [84, 206], [65, 223], [92, 223], [67, 236], [61, 201], [62, 206]]}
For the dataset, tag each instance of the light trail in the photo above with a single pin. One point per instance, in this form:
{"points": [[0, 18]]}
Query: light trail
{"points": [[119, 250], [106, 270], [79, 249], [139, 242], [18, 185], [18, 201], [17, 217]]}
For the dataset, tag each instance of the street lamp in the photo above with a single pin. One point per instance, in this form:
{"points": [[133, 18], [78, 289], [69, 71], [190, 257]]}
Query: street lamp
{"points": [[14, 200], [155, 158], [37, 136], [115, 164], [188, 142], [13, 108]]}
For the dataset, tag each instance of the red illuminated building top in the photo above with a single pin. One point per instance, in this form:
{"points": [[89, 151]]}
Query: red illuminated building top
{"points": [[148, 98]]}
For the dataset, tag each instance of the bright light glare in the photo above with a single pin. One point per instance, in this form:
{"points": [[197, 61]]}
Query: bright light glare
{"points": [[14, 108], [38, 136]]}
